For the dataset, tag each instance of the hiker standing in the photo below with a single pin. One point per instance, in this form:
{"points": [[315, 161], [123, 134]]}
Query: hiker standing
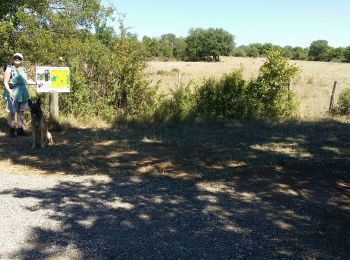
{"points": [[16, 93]]}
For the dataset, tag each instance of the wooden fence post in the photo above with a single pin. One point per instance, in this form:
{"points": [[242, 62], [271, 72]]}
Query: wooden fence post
{"points": [[178, 79], [332, 96]]}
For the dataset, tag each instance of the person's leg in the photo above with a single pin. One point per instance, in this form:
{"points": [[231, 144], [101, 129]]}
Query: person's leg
{"points": [[12, 124], [12, 120], [20, 120]]}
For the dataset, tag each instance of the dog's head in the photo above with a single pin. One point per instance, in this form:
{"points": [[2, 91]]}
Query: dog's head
{"points": [[35, 108]]}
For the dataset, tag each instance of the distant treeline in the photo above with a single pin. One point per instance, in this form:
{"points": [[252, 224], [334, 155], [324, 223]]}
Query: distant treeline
{"points": [[201, 43]]}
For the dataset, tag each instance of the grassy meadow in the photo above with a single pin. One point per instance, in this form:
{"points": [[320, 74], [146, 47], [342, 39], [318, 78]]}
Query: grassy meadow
{"points": [[313, 86]]}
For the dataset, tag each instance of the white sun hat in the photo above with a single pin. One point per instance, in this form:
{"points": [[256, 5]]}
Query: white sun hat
{"points": [[17, 54]]}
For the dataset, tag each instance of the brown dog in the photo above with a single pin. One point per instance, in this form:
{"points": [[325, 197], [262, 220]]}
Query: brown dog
{"points": [[40, 134]]}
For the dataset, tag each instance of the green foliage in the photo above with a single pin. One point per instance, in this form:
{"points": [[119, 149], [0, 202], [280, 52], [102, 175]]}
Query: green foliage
{"points": [[239, 51], [168, 46], [268, 94], [152, 46], [222, 99], [231, 97], [36, 28], [276, 71], [108, 81], [299, 53], [320, 51], [106, 70], [180, 49], [344, 102], [168, 42], [260, 50], [347, 54], [208, 44], [178, 107], [132, 93], [254, 50], [90, 73], [337, 54]]}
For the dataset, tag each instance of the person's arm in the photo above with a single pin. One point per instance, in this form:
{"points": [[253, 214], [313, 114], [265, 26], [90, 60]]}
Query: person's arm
{"points": [[31, 82], [7, 78], [28, 80]]}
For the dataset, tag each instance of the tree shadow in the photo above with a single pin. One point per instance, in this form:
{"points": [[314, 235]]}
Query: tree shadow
{"points": [[247, 190]]}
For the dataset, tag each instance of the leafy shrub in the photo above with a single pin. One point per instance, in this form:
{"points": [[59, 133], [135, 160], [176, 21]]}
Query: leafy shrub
{"points": [[107, 81], [344, 102], [267, 95], [178, 107], [222, 99]]}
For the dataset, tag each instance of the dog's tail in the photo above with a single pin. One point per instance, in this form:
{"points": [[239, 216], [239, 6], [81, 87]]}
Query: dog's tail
{"points": [[49, 137]]}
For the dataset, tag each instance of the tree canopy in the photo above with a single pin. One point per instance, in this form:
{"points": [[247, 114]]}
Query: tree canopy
{"points": [[320, 51], [208, 44], [106, 68]]}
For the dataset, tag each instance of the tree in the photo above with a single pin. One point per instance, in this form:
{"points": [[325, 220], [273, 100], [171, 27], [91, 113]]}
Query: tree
{"points": [[167, 44], [208, 44], [239, 51], [106, 68], [254, 50], [300, 53], [347, 54], [152, 46], [105, 34], [38, 27], [337, 54], [180, 48], [319, 51]]}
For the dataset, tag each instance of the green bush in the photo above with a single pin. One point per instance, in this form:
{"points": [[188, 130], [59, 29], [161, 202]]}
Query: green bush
{"points": [[222, 99], [179, 106], [344, 102], [107, 82], [268, 95]]}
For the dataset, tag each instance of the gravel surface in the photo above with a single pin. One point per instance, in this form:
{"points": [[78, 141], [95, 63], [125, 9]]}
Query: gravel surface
{"points": [[131, 216], [22, 215]]}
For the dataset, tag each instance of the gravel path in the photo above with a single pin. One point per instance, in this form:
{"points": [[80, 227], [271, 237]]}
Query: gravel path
{"points": [[21, 215], [131, 216]]}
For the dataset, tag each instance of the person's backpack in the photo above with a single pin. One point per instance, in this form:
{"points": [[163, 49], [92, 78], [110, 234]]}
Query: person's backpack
{"points": [[12, 70]]}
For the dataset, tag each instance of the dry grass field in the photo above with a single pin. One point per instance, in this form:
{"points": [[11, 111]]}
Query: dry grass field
{"points": [[313, 86]]}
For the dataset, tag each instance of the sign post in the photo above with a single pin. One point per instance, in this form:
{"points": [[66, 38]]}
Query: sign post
{"points": [[53, 80], [53, 107]]}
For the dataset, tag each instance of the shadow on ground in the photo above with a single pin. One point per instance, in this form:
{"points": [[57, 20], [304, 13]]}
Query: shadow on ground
{"points": [[250, 190]]}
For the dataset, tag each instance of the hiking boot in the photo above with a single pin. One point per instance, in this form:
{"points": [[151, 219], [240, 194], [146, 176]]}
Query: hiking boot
{"points": [[21, 132], [12, 132]]}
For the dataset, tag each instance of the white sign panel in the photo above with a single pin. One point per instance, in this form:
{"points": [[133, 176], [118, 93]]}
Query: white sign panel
{"points": [[52, 79]]}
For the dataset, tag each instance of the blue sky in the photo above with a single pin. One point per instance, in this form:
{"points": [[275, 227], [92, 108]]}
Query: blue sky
{"points": [[283, 22]]}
